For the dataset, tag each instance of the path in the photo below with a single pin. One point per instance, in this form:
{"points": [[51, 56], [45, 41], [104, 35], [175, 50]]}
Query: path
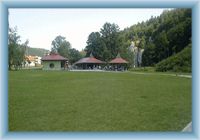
{"points": [[168, 74], [188, 128]]}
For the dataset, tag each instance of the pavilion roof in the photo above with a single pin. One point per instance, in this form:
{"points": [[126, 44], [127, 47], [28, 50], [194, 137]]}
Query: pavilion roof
{"points": [[118, 60], [54, 57], [89, 60]]}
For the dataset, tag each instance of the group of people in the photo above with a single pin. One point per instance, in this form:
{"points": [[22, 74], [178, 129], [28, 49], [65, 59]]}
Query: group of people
{"points": [[106, 68]]}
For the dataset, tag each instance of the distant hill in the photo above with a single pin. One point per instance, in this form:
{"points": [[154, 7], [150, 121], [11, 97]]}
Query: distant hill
{"points": [[36, 51]]}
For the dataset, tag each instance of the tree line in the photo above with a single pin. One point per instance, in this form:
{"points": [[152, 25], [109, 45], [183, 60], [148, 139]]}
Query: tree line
{"points": [[160, 37], [166, 35]]}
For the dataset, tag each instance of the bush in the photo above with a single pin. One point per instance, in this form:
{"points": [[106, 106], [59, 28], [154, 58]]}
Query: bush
{"points": [[181, 62], [142, 69]]}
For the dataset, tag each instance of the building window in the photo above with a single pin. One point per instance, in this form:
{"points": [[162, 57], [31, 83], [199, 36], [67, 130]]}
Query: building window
{"points": [[51, 65]]}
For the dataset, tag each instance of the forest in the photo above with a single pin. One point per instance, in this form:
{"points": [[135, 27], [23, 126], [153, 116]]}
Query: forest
{"points": [[161, 37]]}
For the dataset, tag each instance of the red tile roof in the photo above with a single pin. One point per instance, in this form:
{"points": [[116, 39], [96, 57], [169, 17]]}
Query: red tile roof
{"points": [[89, 60], [118, 60], [53, 56]]}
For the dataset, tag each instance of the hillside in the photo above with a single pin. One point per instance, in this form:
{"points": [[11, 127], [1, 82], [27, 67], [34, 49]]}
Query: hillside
{"points": [[160, 37], [36, 51], [181, 62]]}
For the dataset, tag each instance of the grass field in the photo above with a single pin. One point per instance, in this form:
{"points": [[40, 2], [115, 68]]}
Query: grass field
{"points": [[97, 101]]}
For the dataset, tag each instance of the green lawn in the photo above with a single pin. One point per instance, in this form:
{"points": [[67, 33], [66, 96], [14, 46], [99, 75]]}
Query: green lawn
{"points": [[97, 101]]}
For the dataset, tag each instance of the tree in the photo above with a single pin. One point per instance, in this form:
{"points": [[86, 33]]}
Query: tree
{"points": [[105, 44], [160, 37], [149, 57], [110, 37], [13, 42], [109, 29], [96, 46], [170, 33], [61, 46], [93, 42], [16, 51], [162, 43], [82, 53], [74, 55]]}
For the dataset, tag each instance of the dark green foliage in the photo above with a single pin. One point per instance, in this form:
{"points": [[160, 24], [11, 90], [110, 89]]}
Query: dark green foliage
{"points": [[149, 56], [16, 51], [96, 46], [104, 45], [170, 35], [143, 69], [63, 47], [181, 62], [160, 37], [74, 55]]}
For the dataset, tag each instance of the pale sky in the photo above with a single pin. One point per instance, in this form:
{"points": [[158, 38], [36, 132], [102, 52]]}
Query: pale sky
{"points": [[41, 26]]}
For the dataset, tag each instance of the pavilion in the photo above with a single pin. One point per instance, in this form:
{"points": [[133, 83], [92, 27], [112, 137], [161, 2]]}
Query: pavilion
{"points": [[119, 63], [89, 63], [54, 61]]}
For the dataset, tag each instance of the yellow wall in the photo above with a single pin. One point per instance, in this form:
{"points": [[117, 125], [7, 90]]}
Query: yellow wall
{"points": [[46, 65]]}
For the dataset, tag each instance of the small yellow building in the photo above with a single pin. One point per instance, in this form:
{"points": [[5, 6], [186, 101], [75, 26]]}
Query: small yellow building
{"points": [[54, 61]]}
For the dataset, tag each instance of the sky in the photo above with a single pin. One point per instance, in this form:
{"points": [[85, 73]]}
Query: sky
{"points": [[41, 26]]}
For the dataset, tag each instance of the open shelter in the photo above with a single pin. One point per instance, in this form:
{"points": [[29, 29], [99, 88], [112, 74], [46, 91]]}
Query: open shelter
{"points": [[89, 63], [119, 64]]}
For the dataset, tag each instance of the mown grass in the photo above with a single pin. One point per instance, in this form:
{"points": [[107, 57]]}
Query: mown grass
{"points": [[152, 70], [97, 101]]}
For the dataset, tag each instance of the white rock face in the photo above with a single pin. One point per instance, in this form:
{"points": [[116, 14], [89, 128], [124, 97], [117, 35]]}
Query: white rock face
{"points": [[137, 54]]}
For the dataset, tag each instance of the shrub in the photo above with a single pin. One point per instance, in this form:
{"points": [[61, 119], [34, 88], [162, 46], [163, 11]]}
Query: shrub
{"points": [[181, 62]]}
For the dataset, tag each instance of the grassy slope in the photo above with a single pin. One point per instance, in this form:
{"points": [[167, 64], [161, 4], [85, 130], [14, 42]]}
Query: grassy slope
{"points": [[81, 101], [181, 62]]}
